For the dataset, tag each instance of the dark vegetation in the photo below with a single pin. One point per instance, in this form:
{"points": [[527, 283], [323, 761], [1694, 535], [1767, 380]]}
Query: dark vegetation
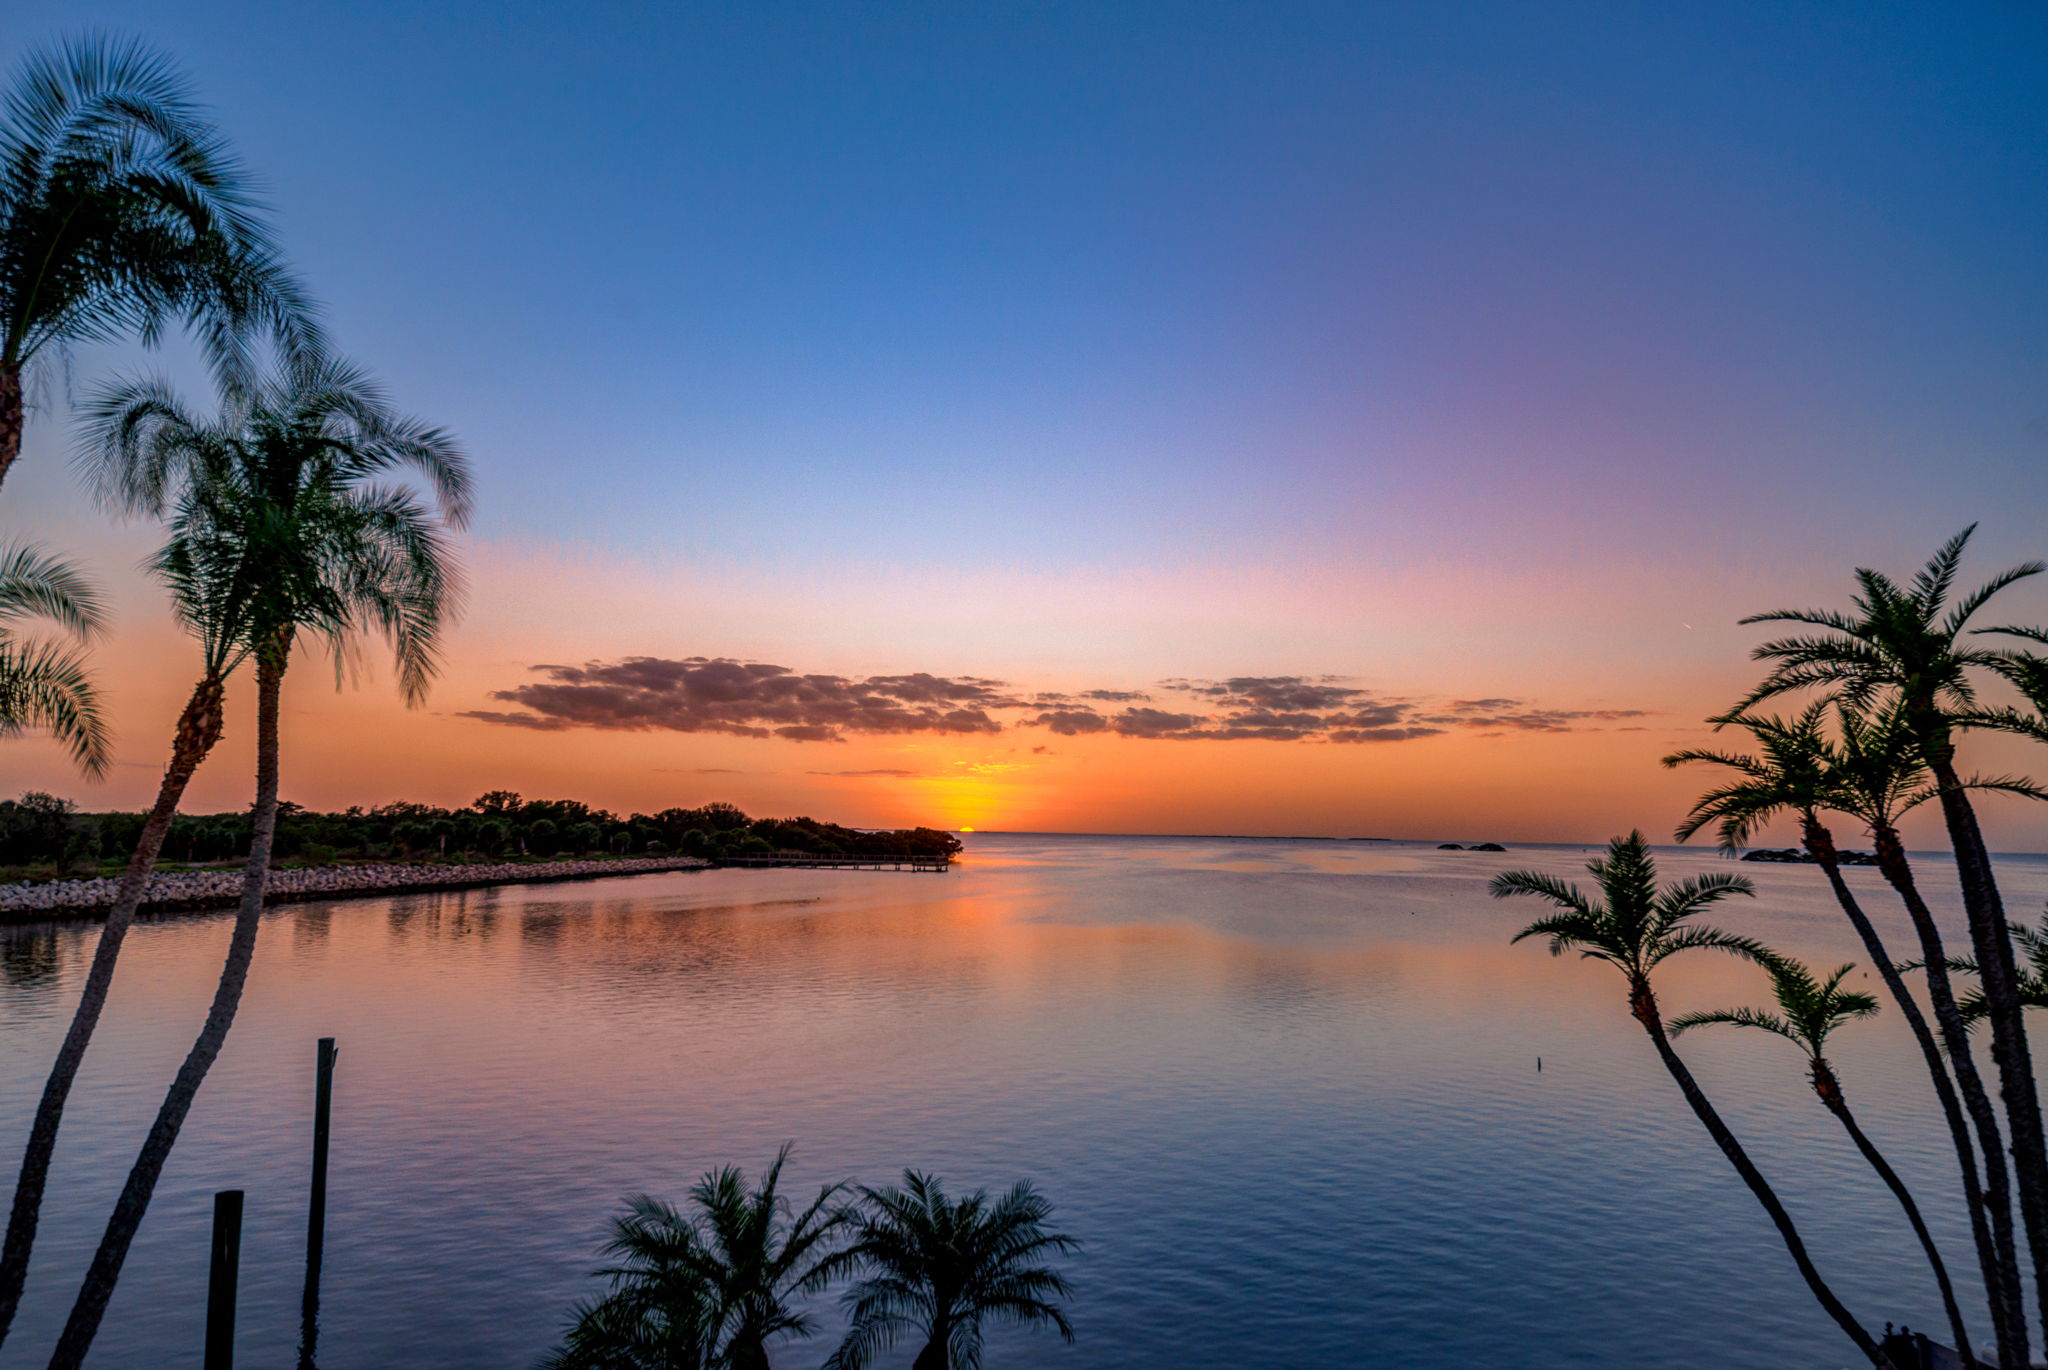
{"points": [[41, 835], [716, 1284]]}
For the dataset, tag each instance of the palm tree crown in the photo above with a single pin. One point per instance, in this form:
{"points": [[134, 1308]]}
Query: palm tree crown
{"points": [[45, 684], [277, 516], [939, 1268], [121, 210], [1794, 773], [1902, 638], [1809, 1008], [707, 1288], [1635, 924], [2032, 947]]}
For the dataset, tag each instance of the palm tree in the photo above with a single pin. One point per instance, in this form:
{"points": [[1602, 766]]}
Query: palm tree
{"points": [[761, 1257], [937, 1268], [1810, 1009], [659, 1313], [1636, 925], [121, 210], [1881, 777], [45, 684], [279, 494], [709, 1288], [1799, 771], [2033, 984], [209, 600], [1903, 647]]}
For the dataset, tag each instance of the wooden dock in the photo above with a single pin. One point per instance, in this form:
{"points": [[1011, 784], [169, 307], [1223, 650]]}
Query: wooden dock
{"points": [[797, 860]]}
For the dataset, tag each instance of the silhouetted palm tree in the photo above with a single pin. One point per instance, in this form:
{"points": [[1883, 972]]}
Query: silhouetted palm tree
{"points": [[1881, 777], [46, 684], [2032, 945], [1800, 771], [711, 1287], [660, 1313], [1636, 925], [122, 210], [209, 598], [1809, 1011], [1904, 646], [281, 492], [937, 1268]]}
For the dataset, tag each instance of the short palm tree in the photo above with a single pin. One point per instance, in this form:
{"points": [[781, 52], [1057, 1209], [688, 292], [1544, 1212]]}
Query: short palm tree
{"points": [[2031, 945], [711, 1287], [938, 1269], [1798, 770], [660, 1312], [1635, 924], [46, 684], [1905, 646], [1810, 1010], [210, 601], [281, 496], [121, 210]]}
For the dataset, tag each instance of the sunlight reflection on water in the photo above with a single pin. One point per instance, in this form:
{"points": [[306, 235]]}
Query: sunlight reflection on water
{"points": [[1286, 1091]]}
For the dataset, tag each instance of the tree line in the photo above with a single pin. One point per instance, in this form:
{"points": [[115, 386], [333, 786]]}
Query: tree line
{"points": [[42, 832]]}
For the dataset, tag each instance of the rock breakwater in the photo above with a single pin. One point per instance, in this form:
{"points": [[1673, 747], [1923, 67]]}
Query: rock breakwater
{"points": [[179, 891]]}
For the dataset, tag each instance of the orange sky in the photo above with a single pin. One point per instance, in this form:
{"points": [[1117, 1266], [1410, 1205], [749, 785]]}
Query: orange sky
{"points": [[1567, 641]]}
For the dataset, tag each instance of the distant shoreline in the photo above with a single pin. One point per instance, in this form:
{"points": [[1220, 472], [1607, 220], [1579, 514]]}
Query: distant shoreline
{"points": [[199, 891]]}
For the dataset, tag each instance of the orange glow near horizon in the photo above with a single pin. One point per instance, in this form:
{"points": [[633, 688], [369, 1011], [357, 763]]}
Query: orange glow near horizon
{"points": [[359, 746]]}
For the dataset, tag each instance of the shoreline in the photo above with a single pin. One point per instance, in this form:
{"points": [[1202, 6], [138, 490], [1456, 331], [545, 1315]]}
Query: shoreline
{"points": [[200, 891]]}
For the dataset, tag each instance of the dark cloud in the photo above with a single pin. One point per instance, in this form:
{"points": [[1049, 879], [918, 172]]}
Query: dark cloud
{"points": [[746, 699], [1072, 722], [1512, 715], [756, 699], [1382, 734]]}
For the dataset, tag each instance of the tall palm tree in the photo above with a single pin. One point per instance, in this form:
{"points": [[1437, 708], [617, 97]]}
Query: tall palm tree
{"points": [[1799, 771], [938, 1268], [1635, 925], [46, 684], [122, 210], [712, 1287], [1810, 1009], [281, 493], [1881, 777], [1904, 646], [209, 600]]}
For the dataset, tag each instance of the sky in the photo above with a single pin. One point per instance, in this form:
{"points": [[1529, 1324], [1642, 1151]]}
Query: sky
{"points": [[1354, 419]]}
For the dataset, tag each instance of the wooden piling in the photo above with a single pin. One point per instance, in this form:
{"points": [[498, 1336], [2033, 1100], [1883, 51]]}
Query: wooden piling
{"points": [[221, 1279], [316, 1201]]}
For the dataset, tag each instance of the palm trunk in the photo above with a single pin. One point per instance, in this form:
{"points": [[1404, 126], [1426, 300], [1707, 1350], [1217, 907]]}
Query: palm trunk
{"points": [[1999, 1264], [199, 728], [100, 1277], [1955, 1034], [1999, 976], [1830, 1091], [1643, 1005], [10, 415], [937, 1353], [747, 1352]]}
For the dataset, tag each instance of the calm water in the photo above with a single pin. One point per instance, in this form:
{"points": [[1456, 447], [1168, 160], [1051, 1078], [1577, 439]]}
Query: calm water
{"points": [[1287, 1092]]}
